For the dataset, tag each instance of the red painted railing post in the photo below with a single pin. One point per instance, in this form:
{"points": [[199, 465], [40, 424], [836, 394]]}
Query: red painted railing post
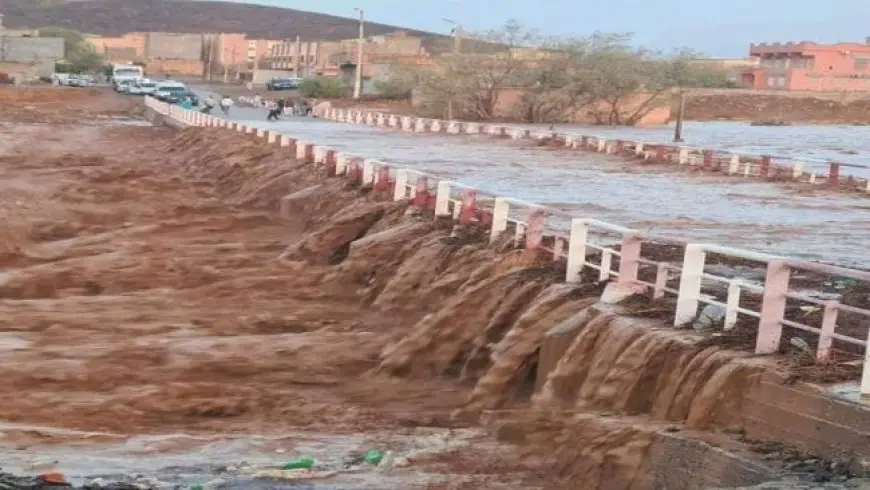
{"points": [[834, 173], [764, 170]]}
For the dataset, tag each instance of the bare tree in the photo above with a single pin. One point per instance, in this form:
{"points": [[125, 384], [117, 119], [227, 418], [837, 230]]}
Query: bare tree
{"points": [[601, 76]]}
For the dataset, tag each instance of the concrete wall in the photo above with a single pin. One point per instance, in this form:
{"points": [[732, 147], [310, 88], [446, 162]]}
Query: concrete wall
{"points": [[165, 45], [29, 49], [156, 68], [128, 48]]}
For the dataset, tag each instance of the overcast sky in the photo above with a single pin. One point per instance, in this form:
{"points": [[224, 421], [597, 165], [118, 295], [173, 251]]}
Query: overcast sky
{"points": [[718, 28]]}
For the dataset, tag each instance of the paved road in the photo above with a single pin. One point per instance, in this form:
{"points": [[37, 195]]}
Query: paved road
{"points": [[736, 212]]}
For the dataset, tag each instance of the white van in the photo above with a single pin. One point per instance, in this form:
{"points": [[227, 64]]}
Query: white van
{"points": [[142, 87], [126, 72]]}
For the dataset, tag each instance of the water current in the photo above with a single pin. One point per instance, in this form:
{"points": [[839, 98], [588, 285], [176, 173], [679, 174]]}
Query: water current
{"points": [[735, 212]]}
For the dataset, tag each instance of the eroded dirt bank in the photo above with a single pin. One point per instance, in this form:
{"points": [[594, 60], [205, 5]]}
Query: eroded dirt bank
{"points": [[203, 283]]}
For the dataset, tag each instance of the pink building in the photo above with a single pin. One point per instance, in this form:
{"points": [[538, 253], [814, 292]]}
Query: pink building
{"points": [[810, 66]]}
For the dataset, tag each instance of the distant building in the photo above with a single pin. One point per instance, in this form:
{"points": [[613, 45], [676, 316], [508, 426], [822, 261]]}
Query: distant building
{"points": [[810, 66], [24, 55], [732, 68], [335, 58]]}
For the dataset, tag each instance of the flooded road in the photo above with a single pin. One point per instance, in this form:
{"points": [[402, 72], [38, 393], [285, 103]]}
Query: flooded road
{"points": [[839, 143], [712, 208]]}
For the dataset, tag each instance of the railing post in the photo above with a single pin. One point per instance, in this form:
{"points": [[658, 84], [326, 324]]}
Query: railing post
{"points": [[629, 257], [341, 164], [442, 198], [834, 173], [732, 306], [690, 284], [797, 170], [826, 335], [764, 171], [734, 164], [401, 188], [772, 307], [576, 250], [661, 280], [865, 376], [500, 212], [368, 174], [535, 229]]}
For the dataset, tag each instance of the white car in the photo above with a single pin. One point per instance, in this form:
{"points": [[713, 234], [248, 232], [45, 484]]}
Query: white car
{"points": [[142, 87]]}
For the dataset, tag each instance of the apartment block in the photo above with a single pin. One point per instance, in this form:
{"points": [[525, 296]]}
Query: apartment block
{"points": [[330, 57], [810, 66]]}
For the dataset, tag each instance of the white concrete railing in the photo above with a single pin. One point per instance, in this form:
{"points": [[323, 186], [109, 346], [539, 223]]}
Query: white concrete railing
{"points": [[587, 238], [734, 164]]}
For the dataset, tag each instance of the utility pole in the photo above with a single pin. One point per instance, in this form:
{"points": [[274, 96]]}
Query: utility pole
{"points": [[457, 45], [681, 109], [209, 57], [297, 52], [357, 86], [2, 39], [256, 63]]}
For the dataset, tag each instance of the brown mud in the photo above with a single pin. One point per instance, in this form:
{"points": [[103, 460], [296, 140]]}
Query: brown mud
{"points": [[204, 282]]}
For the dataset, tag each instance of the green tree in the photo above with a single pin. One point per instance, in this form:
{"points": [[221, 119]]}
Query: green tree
{"points": [[80, 55]]}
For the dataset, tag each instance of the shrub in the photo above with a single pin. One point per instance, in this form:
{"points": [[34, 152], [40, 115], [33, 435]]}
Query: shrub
{"points": [[321, 87]]}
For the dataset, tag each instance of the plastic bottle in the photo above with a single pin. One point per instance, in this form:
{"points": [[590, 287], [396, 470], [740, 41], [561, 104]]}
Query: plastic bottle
{"points": [[303, 463]]}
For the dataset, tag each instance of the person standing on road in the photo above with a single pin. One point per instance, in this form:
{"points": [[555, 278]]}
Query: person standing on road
{"points": [[276, 110], [226, 103]]}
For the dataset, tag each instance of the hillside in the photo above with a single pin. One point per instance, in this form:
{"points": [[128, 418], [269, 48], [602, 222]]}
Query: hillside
{"points": [[115, 17]]}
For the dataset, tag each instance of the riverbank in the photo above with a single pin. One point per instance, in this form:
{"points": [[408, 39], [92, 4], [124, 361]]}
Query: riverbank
{"points": [[219, 305]]}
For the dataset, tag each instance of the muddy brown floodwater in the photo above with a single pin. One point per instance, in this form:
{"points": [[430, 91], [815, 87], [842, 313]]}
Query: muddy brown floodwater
{"points": [[186, 306]]}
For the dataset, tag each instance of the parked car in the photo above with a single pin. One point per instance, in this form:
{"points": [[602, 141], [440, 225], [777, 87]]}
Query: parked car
{"points": [[79, 81], [60, 78], [169, 91], [282, 83], [121, 85], [142, 87]]}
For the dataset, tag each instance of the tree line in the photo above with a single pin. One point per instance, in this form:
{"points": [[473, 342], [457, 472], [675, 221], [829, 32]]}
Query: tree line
{"points": [[603, 76]]}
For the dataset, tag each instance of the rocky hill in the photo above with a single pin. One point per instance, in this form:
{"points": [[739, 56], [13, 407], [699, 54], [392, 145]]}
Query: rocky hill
{"points": [[114, 17]]}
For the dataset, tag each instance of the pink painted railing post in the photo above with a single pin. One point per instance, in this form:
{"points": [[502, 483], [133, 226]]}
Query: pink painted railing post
{"points": [[576, 250], [764, 169], [535, 229], [629, 257], [834, 173], [690, 284], [772, 307]]}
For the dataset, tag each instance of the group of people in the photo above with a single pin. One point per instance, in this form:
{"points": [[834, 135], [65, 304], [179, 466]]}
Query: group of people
{"points": [[211, 101], [298, 107]]}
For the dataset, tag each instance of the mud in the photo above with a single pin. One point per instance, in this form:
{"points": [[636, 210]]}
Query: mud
{"points": [[160, 283]]}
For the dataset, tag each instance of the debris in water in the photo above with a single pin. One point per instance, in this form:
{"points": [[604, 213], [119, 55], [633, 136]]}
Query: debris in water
{"points": [[53, 478], [300, 474], [303, 463], [374, 457], [711, 317]]}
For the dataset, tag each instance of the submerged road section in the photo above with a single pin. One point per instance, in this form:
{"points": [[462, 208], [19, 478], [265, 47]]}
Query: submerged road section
{"points": [[800, 222]]}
